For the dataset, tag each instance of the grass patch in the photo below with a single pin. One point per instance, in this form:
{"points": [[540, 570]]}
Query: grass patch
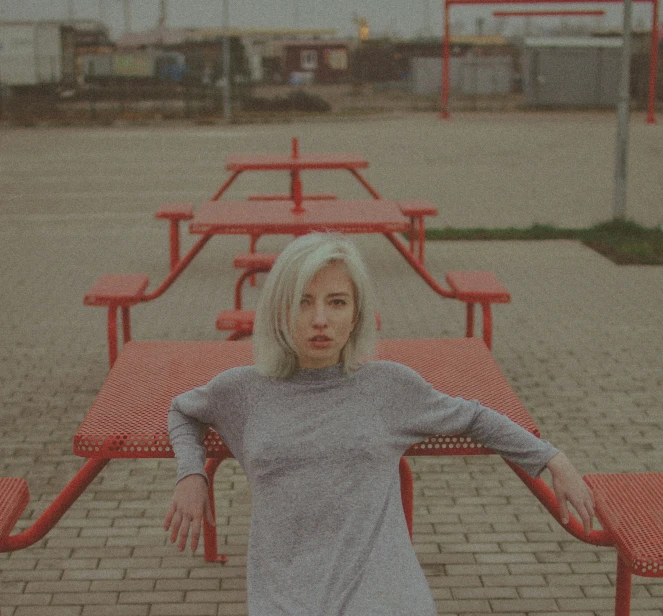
{"points": [[623, 242]]}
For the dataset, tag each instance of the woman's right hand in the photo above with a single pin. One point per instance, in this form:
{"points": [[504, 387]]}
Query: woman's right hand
{"points": [[190, 505]]}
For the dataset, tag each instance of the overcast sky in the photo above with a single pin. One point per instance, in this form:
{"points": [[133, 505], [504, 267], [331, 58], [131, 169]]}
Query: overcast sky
{"points": [[396, 17]]}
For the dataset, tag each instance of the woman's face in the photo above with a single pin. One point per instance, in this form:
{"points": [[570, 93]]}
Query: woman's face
{"points": [[326, 317]]}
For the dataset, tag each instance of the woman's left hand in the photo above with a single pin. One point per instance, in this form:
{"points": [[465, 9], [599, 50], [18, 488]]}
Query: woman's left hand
{"points": [[569, 487]]}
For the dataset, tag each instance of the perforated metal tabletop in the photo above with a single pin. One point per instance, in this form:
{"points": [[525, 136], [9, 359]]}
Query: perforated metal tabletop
{"points": [[128, 418], [269, 217]]}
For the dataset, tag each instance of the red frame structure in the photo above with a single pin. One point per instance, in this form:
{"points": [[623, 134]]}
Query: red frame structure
{"points": [[446, 47], [548, 13]]}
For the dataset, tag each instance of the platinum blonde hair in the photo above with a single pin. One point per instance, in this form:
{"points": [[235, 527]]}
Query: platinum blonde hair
{"points": [[273, 346]]}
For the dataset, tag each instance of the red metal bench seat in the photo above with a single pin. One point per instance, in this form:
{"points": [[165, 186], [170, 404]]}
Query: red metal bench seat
{"points": [[483, 288], [117, 291], [174, 213], [630, 508], [14, 498], [415, 210]]}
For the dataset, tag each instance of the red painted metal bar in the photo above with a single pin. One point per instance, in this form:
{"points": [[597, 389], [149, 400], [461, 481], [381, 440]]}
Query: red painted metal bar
{"points": [[547, 498], [111, 329], [422, 238], [653, 55], [49, 518], [469, 320], [418, 267], [487, 313], [225, 186], [210, 541], [412, 234], [365, 184], [174, 243], [126, 324], [622, 588], [407, 489], [248, 273], [181, 266], [578, 13]]}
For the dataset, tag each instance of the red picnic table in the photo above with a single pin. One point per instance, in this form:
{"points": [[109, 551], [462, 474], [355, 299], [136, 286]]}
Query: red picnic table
{"points": [[128, 419], [255, 218], [294, 163]]}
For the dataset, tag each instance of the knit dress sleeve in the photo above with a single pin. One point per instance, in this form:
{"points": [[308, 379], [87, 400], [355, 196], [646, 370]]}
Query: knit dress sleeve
{"points": [[417, 410], [216, 404]]}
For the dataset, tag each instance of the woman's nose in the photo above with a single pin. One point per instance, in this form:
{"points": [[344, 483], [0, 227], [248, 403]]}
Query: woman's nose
{"points": [[320, 315]]}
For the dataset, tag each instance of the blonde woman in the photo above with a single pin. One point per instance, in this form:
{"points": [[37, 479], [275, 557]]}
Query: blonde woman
{"points": [[319, 430]]}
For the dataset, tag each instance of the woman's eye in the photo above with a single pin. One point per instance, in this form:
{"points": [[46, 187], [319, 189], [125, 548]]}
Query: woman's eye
{"points": [[304, 301], [339, 302]]}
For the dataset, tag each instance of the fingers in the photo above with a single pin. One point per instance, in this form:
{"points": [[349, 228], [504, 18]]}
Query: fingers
{"points": [[195, 535], [563, 510], [184, 533], [169, 517]]}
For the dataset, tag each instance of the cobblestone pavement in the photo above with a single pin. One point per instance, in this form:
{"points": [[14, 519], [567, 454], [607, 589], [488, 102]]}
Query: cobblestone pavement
{"points": [[580, 343]]}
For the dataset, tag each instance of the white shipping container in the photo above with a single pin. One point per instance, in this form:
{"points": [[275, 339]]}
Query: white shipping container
{"points": [[30, 53]]}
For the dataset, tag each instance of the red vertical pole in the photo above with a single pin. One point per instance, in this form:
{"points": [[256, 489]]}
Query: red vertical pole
{"points": [[622, 589], [112, 334], [174, 243], [407, 489], [446, 49], [487, 325], [469, 319], [296, 182], [653, 60], [126, 324], [210, 541]]}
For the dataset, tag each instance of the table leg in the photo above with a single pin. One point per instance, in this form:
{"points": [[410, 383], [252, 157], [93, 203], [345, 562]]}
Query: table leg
{"points": [[407, 488], [422, 239], [112, 334], [622, 589], [469, 319], [126, 324], [225, 186], [210, 539], [412, 234], [296, 188], [487, 324], [252, 249], [174, 243], [374, 193]]}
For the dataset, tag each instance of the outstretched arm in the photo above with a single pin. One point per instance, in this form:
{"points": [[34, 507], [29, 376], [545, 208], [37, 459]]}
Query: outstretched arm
{"points": [[569, 487], [190, 505]]}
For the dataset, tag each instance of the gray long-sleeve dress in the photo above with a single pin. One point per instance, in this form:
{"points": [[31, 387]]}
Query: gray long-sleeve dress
{"points": [[321, 452]]}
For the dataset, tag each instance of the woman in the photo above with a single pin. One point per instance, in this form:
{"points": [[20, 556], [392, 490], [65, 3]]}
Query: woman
{"points": [[319, 434]]}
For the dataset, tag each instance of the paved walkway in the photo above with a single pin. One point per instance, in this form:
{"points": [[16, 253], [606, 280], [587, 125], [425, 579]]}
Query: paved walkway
{"points": [[581, 343]]}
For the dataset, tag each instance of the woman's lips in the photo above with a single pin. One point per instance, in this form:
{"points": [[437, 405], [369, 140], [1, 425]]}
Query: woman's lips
{"points": [[320, 342]]}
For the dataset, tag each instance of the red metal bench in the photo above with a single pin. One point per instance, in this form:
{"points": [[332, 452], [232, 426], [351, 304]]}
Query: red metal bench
{"points": [[630, 508], [117, 291], [14, 498], [478, 288], [416, 210], [174, 213]]}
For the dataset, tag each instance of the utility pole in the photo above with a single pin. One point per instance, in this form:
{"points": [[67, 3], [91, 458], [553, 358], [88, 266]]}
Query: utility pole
{"points": [[127, 16], [163, 14], [623, 112]]}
